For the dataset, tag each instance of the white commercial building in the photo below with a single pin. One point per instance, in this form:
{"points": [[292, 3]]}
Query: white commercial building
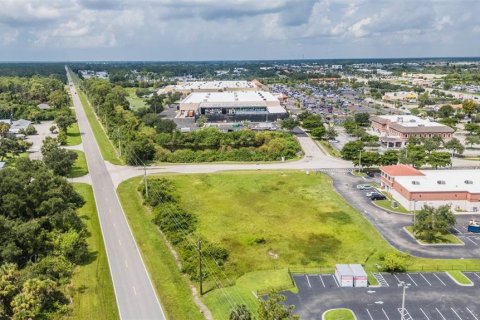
{"points": [[212, 86], [232, 106]]}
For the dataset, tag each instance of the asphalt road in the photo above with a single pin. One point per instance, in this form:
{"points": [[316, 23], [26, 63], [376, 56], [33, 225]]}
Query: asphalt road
{"points": [[136, 297], [430, 296]]}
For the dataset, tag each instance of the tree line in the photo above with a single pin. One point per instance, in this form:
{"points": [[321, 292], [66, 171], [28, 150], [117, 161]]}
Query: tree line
{"points": [[42, 239]]}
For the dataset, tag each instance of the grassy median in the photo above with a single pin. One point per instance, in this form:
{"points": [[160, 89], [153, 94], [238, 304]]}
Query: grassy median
{"points": [[339, 314], [91, 288]]}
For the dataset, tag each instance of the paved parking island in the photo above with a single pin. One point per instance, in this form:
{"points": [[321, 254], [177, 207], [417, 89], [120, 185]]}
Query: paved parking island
{"points": [[430, 296]]}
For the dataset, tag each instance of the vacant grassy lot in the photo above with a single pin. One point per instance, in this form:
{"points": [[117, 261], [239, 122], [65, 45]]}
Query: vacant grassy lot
{"points": [[268, 222], [91, 288], [73, 135], [80, 167], [135, 102]]}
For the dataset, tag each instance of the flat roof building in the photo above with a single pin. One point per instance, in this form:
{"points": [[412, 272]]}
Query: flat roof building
{"points": [[232, 106], [212, 86], [414, 188], [395, 130]]}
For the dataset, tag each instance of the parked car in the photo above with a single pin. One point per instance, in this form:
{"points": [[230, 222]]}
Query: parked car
{"points": [[370, 174], [378, 197], [364, 187], [371, 193]]}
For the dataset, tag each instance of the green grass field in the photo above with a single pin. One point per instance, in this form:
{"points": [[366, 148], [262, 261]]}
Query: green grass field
{"points": [[106, 147], [80, 167], [171, 286], [268, 221], [135, 102], [339, 314], [440, 239], [91, 288], [73, 135]]}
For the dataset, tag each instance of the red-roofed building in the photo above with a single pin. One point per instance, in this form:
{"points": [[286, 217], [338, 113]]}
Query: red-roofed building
{"points": [[388, 174]]}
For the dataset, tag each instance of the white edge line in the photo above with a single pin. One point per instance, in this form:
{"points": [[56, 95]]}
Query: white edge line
{"points": [[353, 313]]}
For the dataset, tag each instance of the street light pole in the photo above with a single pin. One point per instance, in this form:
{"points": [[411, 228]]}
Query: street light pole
{"points": [[405, 286], [414, 212]]}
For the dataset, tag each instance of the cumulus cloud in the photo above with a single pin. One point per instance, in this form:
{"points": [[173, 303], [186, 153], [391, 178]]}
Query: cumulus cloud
{"points": [[236, 29]]}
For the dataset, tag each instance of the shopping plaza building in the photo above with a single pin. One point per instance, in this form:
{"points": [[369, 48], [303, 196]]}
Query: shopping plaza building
{"points": [[231, 106]]}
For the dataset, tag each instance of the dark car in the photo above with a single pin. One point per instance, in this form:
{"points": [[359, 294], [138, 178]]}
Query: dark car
{"points": [[370, 174], [377, 196]]}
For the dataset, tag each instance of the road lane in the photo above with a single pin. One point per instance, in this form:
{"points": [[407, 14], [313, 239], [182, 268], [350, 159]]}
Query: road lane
{"points": [[136, 297]]}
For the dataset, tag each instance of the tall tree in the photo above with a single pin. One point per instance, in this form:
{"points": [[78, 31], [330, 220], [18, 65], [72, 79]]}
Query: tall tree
{"points": [[455, 146], [469, 106], [430, 222], [240, 312], [273, 308], [439, 159]]}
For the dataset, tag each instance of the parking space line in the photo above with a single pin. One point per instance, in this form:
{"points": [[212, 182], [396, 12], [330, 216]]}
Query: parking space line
{"points": [[397, 278], [476, 274], [456, 230], [456, 314], [336, 282], [386, 315], [467, 238], [425, 279], [321, 279], [424, 314], [466, 229], [371, 318], [306, 276], [412, 280], [439, 279], [441, 315], [472, 314]]}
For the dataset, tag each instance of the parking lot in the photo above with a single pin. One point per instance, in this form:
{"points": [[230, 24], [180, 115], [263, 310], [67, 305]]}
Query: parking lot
{"points": [[460, 230], [430, 296]]}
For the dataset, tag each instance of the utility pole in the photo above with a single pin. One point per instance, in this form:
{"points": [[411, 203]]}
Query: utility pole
{"points": [[200, 274], [119, 142], [145, 180]]}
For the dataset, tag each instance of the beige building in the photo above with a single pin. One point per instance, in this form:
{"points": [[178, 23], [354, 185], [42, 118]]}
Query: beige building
{"points": [[395, 130]]}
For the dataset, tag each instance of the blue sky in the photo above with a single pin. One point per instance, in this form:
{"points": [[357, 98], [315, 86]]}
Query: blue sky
{"points": [[39, 30]]}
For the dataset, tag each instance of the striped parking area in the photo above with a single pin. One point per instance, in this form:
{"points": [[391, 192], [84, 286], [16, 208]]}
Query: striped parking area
{"points": [[433, 312]]}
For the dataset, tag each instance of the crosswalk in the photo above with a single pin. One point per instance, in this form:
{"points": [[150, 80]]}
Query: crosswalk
{"points": [[381, 280]]}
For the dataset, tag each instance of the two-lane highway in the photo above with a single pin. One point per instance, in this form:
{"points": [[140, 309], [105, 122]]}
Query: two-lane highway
{"points": [[136, 297]]}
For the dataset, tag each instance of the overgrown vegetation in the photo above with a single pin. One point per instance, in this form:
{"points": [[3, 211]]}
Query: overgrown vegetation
{"points": [[42, 240]]}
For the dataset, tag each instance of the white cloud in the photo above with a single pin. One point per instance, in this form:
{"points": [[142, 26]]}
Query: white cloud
{"points": [[230, 29]]}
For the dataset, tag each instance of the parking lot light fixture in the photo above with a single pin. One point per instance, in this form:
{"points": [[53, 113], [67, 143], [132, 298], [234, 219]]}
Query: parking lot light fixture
{"points": [[405, 287], [414, 212]]}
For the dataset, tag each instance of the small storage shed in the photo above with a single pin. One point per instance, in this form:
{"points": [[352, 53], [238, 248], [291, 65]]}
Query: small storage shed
{"points": [[360, 278], [344, 275]]}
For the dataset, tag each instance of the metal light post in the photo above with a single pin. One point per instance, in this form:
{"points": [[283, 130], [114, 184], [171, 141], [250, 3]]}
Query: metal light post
{"points": [[405, 287]]}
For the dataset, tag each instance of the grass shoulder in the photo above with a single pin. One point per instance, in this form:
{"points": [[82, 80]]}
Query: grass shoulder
{"points": [[80, 167], [73, 135], [387, 204], [171, 286], [91, 288], [339, 314], [460, 278], [439, 239]]}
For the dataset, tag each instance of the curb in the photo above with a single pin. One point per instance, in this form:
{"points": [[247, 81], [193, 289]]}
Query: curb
{"points": [[353, 313], [460, 284]]}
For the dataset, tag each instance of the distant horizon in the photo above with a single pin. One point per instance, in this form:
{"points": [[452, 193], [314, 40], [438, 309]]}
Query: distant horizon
{"points": [[245, 60]]}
